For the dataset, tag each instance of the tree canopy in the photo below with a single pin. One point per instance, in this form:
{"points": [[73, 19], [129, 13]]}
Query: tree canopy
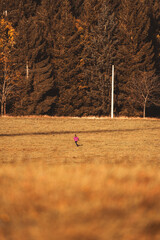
{"points": [[56, 57]]}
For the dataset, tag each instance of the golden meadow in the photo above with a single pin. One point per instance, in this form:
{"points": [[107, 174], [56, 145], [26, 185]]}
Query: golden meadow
{"points": [[107, 188]]}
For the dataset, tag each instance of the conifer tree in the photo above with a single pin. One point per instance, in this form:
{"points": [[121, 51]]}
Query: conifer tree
{"points": [[39, 91], [77, 6], [62, 56], [136, 51], [19, 13], [100, 52], [153, 10], [16, 9], [66, 59], [43, 92]]}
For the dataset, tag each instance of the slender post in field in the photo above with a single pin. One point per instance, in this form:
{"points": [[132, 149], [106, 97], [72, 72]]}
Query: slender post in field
{"points": [[112, 93], [5, 13], [27, 70]]}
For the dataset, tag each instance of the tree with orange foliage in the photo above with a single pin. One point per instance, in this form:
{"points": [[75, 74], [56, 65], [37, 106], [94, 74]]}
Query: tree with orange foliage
{"points": [[9, 76]]}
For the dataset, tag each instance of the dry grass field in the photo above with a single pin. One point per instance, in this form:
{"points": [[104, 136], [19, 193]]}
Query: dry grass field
{"points": [[108, 188]]}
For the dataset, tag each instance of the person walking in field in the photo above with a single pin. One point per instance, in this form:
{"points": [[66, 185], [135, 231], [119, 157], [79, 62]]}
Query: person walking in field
{"points": [[76, 139]]}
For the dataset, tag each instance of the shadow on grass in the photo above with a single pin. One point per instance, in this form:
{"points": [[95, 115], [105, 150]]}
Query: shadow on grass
{"points": [[73, 132]]}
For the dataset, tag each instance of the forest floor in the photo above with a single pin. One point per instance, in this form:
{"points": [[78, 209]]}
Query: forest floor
{"points": [[108, 188]]}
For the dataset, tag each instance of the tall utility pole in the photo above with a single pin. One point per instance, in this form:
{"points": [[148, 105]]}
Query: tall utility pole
{"points": [[27, 70], [112, 93], [5, 13]]}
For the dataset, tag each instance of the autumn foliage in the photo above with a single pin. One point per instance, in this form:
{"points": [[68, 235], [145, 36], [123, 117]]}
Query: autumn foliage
{"points": [[10, 76], [64, 52]]}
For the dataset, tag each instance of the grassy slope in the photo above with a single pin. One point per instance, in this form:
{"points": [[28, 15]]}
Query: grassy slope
{"points": [[109, 188], [51, 140]]}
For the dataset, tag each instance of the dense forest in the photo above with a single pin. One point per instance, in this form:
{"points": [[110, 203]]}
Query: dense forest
{"points": [[56, 57]]}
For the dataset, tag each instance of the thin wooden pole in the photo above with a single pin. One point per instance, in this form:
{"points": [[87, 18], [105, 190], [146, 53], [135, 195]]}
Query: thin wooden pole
{"points": [[27, 70], [112, 93]]}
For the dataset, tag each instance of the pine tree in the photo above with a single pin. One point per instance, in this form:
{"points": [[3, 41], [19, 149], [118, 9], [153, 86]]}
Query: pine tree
{"points": [[66, 59], [17, 9], [153, 10], [39, 90], [43, 95], [136, 51], [100, 52], [19, 13], [77, 6]]}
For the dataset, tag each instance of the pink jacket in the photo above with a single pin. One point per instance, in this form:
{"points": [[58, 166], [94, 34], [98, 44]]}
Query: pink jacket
{"points": [[76, 139]]}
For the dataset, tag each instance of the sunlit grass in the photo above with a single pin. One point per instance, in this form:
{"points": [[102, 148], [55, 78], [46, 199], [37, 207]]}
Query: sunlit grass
{"points": [[108, 188], [51, 140]]}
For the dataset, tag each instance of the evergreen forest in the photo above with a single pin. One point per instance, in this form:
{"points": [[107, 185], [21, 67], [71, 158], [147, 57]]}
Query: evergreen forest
{"points": [[56, 57]]}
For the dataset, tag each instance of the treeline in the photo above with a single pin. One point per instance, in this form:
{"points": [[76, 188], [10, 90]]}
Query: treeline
{"points": [[56, 57]]}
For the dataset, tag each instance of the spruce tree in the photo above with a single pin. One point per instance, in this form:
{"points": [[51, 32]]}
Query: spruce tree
{"points": [[43, 93], [136, 52], [39, 89], [66, 59], [21, 59], [153, 10], [77, 6], [16, 9], [19, 13], [100, 52]]}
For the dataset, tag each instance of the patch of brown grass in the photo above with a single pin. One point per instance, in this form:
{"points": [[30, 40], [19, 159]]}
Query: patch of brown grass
{"points": [[114, 141], [79, 202], [108, 188]]}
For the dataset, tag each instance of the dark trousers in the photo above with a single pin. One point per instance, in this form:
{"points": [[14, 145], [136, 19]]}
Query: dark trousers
{"points": [[76, 143]]}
